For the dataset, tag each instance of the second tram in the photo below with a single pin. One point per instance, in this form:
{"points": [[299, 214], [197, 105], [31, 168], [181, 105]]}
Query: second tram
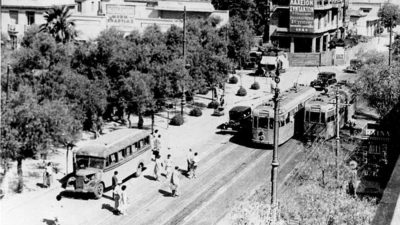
{"points": [[320, 112]]}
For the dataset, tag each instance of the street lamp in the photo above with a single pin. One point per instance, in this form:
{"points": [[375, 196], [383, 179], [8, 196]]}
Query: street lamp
{"points": [[275, 162]]}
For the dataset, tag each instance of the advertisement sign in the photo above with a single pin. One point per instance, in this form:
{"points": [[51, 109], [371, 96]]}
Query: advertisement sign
{"points": [[301, 16], [120, 15]]}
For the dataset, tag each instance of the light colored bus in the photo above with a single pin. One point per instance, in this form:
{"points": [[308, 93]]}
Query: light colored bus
{"points": [[127, 151]]}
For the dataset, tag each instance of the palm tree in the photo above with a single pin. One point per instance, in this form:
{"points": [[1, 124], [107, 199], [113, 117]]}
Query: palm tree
{"points": [[59, 24]]}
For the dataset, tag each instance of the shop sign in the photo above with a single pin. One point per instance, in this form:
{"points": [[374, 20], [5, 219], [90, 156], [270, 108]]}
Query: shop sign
{"points": [[301, 16], [120, 15]]}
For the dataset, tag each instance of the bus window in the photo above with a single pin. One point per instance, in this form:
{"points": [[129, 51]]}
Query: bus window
{"points": [[129, 150], [263, 122], [314, 117], [147, 140], [82, 162], [112, 159]]}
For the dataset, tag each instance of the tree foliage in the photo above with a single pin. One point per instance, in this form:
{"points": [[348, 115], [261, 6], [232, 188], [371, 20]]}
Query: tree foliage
{"points": [[379, 83], [389, 14], [59, 23]]}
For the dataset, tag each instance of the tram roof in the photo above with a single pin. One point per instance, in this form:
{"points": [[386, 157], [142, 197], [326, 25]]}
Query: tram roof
{"points": [[290, 99], [325, 101], [111, 142]]}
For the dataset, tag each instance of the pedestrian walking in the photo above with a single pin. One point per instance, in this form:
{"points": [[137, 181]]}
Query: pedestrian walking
{"points": [[123, 204], [168, 166], [195, 161], [114, 181], [175, 182], [189, 161], [117, 199], [157, 167], [157, 145], [48, 175]]}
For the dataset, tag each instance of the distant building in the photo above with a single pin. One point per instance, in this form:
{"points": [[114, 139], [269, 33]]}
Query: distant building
{"points": [[364, 16], [93, 16], [306, 25], [127, 15], [18, 15]]}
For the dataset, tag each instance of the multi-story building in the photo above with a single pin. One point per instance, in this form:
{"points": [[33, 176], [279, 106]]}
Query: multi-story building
{"points": [[127, 15], [306, 25], [18, 15], [93, 16]]}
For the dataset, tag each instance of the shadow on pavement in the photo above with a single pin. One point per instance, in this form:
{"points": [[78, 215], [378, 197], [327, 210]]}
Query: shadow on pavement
{"points": [[109, 208], [149, 177], [74, 195], [244, 140], [165, 193], [41, 185], [51, 221]]}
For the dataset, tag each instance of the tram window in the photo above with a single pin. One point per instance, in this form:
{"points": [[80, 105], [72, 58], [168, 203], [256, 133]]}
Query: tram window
{"points": [[322, 117], [281, 123], [129, 150], [255, 121], [288, 119], [307, 116], [314, 117], [330, 118], [263, 122]]}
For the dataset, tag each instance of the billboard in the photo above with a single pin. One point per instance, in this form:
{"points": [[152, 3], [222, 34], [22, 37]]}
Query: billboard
{"points": [[301, 16], [120, 15]]}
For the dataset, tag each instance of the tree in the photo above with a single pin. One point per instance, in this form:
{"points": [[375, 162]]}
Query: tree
{"points": [[390, 16], [59, 24], [380, 85], [240, 40], [30, 127], [136, 91]]}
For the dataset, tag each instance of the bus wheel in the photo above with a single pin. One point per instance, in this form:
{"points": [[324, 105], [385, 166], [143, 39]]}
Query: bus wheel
{"points": [[139, 170], [98, 190]]}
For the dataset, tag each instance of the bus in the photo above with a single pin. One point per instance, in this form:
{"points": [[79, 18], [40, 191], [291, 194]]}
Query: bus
{"points": [[127, 151], [290, 116], [320, 112]]}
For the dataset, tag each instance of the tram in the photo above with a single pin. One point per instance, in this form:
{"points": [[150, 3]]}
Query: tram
{"points": [[320, 112], [291, 116]]}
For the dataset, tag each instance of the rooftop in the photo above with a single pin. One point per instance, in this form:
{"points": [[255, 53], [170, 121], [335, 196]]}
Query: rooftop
{"points": [[36, 3]]}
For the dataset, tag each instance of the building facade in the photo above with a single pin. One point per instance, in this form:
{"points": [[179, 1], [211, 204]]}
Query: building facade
{"points": [[306, 25], [364, 16], [18, 15], [93, 16]]}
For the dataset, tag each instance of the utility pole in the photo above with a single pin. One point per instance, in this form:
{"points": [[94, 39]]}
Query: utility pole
{"points": [[390, 41], [8, 80], [184, 60], [275, 162], [344, 19], [337, 149], [267, 21]]}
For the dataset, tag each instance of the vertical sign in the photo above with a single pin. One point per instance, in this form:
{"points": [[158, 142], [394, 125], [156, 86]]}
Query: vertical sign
{"points": [[302, 16]]}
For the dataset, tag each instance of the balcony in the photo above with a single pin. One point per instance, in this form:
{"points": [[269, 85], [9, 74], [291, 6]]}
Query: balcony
{"points": [[327, 4]]}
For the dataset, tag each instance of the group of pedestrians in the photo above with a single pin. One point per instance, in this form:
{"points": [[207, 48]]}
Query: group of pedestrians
{"points": [[119, 195]]}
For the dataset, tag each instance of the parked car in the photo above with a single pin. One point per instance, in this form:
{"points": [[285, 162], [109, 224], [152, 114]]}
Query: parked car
{"points": [[323, 80], [355, 65], [239, 119]]}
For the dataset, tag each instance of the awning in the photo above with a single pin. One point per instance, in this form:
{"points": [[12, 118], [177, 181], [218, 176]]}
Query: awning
{"points": [[268, 60], [190, 6]]}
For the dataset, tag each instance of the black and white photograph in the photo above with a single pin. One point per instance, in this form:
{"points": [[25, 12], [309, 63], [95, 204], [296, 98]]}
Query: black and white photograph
{"points": [[200, 112]]}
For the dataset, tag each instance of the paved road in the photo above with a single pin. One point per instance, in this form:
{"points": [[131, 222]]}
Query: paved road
{"points": [[228, 171]]}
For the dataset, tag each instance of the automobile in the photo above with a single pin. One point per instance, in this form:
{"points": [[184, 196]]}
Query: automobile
{"points": [[324, 79], [239, 118], [355, 65]]}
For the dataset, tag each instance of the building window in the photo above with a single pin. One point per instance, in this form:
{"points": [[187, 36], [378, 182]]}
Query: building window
{"points": [[30, 16], [14, 17], [79, 6]]}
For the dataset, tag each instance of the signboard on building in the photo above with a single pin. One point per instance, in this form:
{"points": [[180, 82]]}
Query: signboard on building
{"points": [[120, 15], [301, 16]]}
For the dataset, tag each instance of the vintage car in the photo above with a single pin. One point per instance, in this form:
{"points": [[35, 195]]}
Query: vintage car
{"points": [[355, 65], [323, 80], [239, 119]]}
